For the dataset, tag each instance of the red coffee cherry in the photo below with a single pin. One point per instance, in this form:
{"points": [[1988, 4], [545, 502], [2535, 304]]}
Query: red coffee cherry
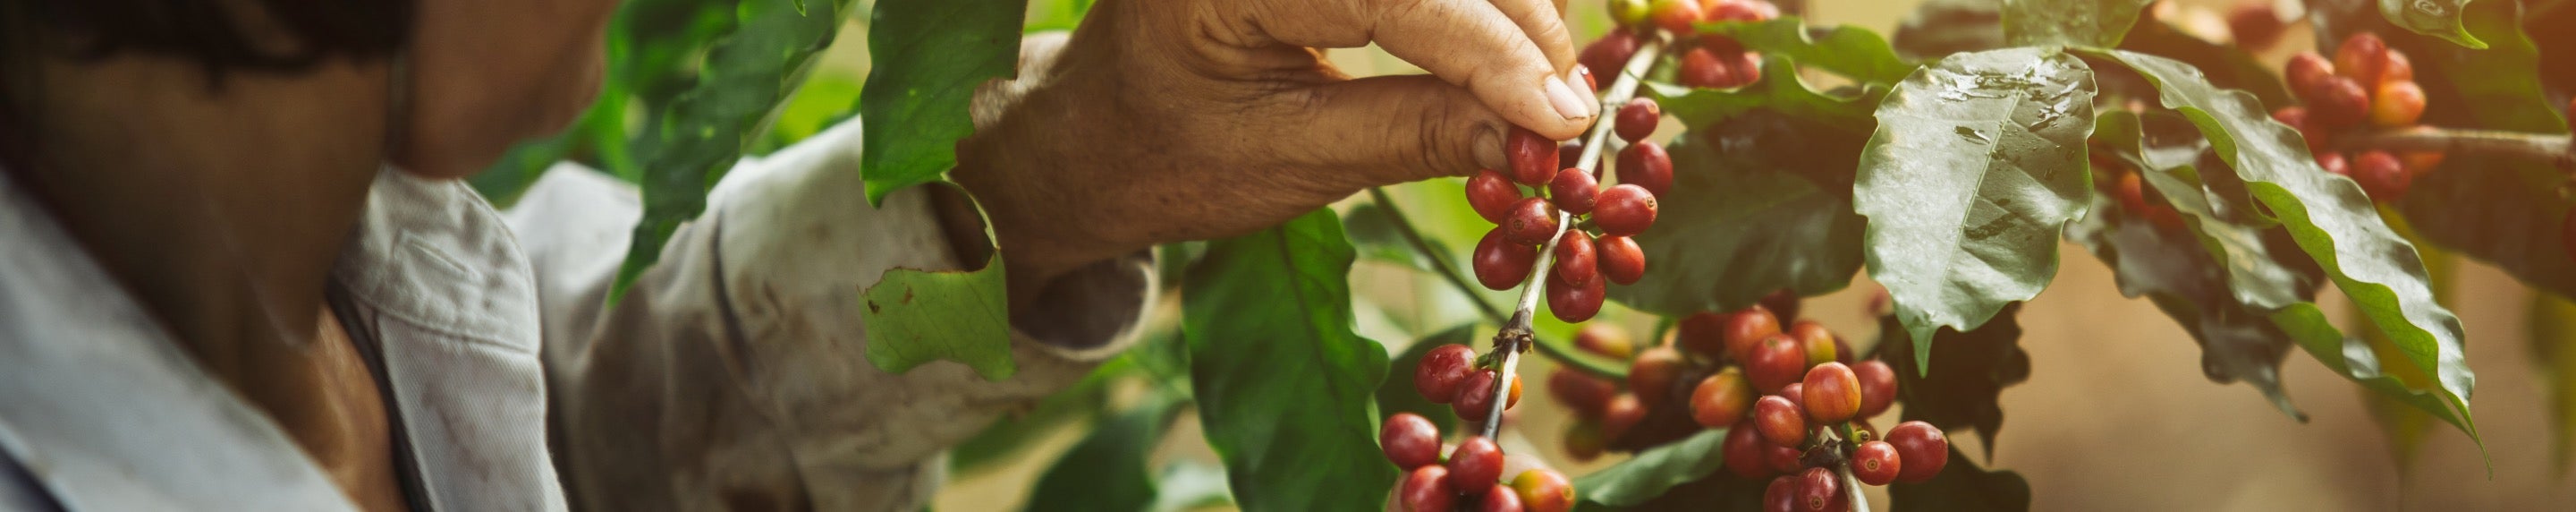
{"points": [[1574, 190], [1442, 370], [2297, 118], [2334, 163], [1575, 262], [1621, 260], [1530, 222], [2307, 73], [2341, 102], [1475, 465], [1745, 329], [1702, 68], [1492, 195], [1623, 413], [2400, 69], [1584, 441], [1819, 488], [1721, 399], [1775, 363], [1500, 264], [1816, 340], [2362, 57], [2254, 24], [1645, 164], [1784, 304], [1875, 463], [1796, 393], [1544, 490], [1651, 376], [1702, 333], [1922, 447], [1409, 440], [1582, 392], [1833, 393], [2397, 104], [1739, 10], [1575, 303], [1625, 210], [1675, 15], [1569, 154], [1499, 498], [2381, 175], [1637, 119], [1475, 399], [1745, 68], [1781, 495], [1606, 56], [1744, 451], [1426, 489], [2419, 163], [1779, 421], [1605, 340], [1783, 459], [1877, 386], [1533, 157]]}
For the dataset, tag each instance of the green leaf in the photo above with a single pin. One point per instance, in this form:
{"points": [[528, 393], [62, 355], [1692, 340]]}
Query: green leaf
{"points": [[1964, 387], [2437, 18], [927, 58], [2237, 342], [1852, 52], [2080, 23], [1285, 387], [918, 316], [2328, 216], [1107, 470], [2354, 359], [1748, 231], [2553, 350], [1976, 165], [1375, 232], [2227, 66], [1780, 90], [2506, 211], [1397, 394], [1963, 486], [2405, 425], [1651, 472], [743, 78], [1938, 28]]}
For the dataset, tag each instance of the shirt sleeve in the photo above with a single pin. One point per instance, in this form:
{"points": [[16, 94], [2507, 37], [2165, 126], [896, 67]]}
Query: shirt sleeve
{"points": [[733, 374]]}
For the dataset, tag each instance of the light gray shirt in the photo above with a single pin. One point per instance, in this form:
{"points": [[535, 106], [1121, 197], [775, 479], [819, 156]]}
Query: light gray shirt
{"points": [[732, 374]]}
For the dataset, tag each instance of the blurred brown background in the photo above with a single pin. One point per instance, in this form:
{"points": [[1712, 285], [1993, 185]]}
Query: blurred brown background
{"points": [[2116, 415]]}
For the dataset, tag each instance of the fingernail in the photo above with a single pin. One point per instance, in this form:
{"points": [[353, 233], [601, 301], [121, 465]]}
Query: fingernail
{"points": [[1489, 149], [1564, 99], [1591, 95]]}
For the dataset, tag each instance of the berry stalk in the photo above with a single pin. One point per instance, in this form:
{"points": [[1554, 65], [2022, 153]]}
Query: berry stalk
{"points": [[2554, 149], [1516, 336]]}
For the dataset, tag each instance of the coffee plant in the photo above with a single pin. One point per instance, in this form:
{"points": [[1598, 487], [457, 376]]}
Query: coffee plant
{"points": [[1746, 158]]}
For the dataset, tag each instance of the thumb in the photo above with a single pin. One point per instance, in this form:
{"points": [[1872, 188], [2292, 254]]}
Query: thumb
{"points": [[1394, 129]]}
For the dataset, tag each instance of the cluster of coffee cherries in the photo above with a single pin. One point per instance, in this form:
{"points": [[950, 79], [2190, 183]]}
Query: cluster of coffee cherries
{"points": [[1452, 374], [1713, 60], [2367, 84], [1469, 479], [1586, 263], [1787, 396]]}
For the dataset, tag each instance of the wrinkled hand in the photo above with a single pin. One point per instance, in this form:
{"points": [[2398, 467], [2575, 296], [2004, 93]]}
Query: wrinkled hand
{"points": [[1170, 120]]}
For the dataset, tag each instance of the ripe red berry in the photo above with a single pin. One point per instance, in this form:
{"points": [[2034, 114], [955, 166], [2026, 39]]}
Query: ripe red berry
{"points": [[1475, 465], [1775, 363], [1499, 498], [1544, 490], [1744, 68], [1625, 210], [1779, 421], [1637, 119], [1621, 260], [1744, 450], [1530, 222], [1442, 370], [1922, 447], [1533, 156], [1645, 164], [1818, 488], [1702, 333], [2381, 175], [1702, 68], [1475, 398], [2362, 57], [1569, 154], [1651, 376], [1575, 262], [1575, 302], [1409, 440], [2397, 104], [2339, 103], [2297, 118], [1783, 459], [1582, 392], [1784, 303], [1606, 56], [1676, 15], [1492, 195], [1818, 341], [1781, 495], [2307, 73], [1574, 190], [1426, 489], [1875, 463], [1623, 413], [1795, 392], [2334, 163], [2400, 69], [1745, 329], [1877, 386], [1833, 393], [2255, 24], [1721, 399], [1501, 264], [1605, 340], [1738, 10]]}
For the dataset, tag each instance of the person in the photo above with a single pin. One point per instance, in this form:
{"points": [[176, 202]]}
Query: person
{"points": [[238, 270]]}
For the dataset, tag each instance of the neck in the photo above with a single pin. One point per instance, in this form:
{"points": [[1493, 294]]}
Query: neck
{"points": [[221, 209]]}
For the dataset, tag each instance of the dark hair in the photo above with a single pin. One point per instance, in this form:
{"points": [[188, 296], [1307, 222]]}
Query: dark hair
{"points": [[210, 32]]}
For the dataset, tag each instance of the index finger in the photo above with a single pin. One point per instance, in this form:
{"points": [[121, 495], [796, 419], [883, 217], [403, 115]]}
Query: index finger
{"points": [[1470, 43]]}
